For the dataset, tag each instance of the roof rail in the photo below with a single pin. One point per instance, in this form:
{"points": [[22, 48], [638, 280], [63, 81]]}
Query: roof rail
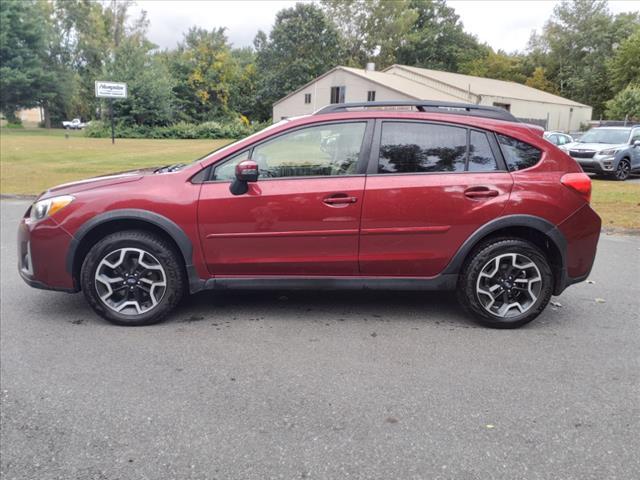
{"points": [[470, 109]]}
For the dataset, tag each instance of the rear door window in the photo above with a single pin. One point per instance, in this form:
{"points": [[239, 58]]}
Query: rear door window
{"points": [[518, 155], [431, 148], [422, 147]]}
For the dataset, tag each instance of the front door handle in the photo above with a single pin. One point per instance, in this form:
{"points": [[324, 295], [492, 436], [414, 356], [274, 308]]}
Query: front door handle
{"points": [[341, 199], [480, 192]]}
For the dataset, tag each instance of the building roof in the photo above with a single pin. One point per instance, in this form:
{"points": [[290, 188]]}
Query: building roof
{"points": [[460, 88], [488, 86], [400, 84], [404, 85]]}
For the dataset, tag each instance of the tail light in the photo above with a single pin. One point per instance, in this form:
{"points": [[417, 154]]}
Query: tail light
{"points": [[579, 182]]}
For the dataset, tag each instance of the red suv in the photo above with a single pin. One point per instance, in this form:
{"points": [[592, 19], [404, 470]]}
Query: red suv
{"points": [[428, 196]]}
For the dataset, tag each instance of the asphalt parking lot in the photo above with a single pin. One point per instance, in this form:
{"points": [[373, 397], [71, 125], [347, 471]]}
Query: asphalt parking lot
{"points": [[322, 385]]}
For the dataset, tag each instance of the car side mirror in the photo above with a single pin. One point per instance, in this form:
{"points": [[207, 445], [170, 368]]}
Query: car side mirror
{"points": [[636, 143], [246, 171]]}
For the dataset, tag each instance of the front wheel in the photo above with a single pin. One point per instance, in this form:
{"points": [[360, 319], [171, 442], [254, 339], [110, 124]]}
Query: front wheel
{"points": [[132, 278], [623, 170], [505, 283]]}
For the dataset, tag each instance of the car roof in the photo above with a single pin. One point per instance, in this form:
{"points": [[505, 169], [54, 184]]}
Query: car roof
{"points": [[518, 130]]}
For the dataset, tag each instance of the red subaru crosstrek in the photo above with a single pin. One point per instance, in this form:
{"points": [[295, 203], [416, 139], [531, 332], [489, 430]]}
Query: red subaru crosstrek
{"points": [[433, 197]]}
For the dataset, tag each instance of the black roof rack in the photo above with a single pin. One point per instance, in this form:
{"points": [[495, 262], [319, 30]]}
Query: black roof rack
{"points": [[470, 109]]}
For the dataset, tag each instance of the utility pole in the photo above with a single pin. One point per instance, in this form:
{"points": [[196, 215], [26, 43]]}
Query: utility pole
{"points": [[113, 131]]}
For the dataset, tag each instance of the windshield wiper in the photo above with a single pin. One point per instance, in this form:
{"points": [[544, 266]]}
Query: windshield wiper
{"points": [[170, 168]]}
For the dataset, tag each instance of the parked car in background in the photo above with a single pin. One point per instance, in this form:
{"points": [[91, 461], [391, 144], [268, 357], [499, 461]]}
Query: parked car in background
{"points": [[558, 138], [610, 151], [470, 200], [74, 124]]}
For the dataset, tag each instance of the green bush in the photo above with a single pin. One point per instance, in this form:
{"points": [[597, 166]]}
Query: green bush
{"points": [[17, 124], [207, 130], [625, 104]]}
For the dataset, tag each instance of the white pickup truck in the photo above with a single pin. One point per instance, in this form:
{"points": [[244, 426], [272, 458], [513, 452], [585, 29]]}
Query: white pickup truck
{"points": [[74, 124]]}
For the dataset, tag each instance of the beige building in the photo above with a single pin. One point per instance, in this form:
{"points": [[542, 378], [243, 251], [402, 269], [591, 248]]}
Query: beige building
{"points": [[31, 115], [400, 82]]}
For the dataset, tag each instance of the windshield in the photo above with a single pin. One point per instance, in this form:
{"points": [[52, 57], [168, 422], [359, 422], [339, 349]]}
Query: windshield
{"points": [[602, 135]]}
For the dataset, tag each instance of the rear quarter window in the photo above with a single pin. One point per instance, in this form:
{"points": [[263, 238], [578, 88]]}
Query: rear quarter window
{"points": [[518, 155]]}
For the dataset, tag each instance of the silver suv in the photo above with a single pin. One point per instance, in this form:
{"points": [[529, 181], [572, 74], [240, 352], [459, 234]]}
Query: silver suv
{"points": [[611, 151]]}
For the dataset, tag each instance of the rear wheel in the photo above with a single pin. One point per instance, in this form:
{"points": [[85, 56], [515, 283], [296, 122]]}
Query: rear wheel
{"points": [[506, 283], [132, 278]]}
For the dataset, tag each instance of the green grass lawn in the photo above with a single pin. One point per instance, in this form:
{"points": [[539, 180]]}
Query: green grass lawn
{"points": [[618, 203], [31, 160]]}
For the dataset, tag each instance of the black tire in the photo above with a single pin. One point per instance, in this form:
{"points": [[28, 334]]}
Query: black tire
{"points": [[160, 251], [479, 259], [623, 170]]}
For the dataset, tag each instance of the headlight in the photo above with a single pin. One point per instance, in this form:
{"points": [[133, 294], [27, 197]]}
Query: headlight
{"points": [[44, 208], [612, 151]]}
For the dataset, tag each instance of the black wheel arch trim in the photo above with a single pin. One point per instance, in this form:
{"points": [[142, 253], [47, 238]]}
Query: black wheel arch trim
{"points": [[165, 224], [451, 271], [531, 221]]}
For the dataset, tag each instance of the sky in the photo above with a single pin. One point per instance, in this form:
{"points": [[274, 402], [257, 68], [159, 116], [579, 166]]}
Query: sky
{"points": [[503, 24]]}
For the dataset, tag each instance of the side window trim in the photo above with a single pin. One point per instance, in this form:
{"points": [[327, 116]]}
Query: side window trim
{"points": [[372, 168], [497, 152], [363, 158]]}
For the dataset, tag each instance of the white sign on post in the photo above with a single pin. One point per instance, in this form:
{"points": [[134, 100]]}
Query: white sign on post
{"points": [[111, 90]]}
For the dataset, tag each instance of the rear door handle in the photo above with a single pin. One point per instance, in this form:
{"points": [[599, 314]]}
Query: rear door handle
{"points": [[340, 199], [480, 192]]}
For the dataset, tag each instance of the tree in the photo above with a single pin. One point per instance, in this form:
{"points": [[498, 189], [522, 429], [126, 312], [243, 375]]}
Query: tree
{"points": [[624, 67], [302, 45], [372, 30], [540, 81], [437, 39], [150, 98], [575, 46], [498, 65], [93, 31], [23, 73], [625, 104], [60, 84], [244, 84], [203, 70]]}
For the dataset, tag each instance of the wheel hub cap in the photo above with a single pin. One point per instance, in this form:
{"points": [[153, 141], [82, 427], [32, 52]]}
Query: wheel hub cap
{"points": [[130, 281], [509, 285]]}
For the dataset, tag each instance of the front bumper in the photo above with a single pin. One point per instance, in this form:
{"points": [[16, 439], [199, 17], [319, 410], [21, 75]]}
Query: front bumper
{"points": [[597, 164], [42, 248]]}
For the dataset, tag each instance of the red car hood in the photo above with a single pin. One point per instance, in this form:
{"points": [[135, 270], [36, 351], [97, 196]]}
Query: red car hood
{"points": [[95, 182]]}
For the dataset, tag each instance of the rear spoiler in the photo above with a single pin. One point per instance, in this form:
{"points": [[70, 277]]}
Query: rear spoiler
{"points": [[536, 129]]}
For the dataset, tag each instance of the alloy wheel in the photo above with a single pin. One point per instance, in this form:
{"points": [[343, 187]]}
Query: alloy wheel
{"points": [[623, 170], [509, 285], [130, 281]]}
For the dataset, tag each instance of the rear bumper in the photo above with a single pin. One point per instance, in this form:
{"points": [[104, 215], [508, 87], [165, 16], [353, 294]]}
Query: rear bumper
{"points": [[581, 232], [42, 248]]}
